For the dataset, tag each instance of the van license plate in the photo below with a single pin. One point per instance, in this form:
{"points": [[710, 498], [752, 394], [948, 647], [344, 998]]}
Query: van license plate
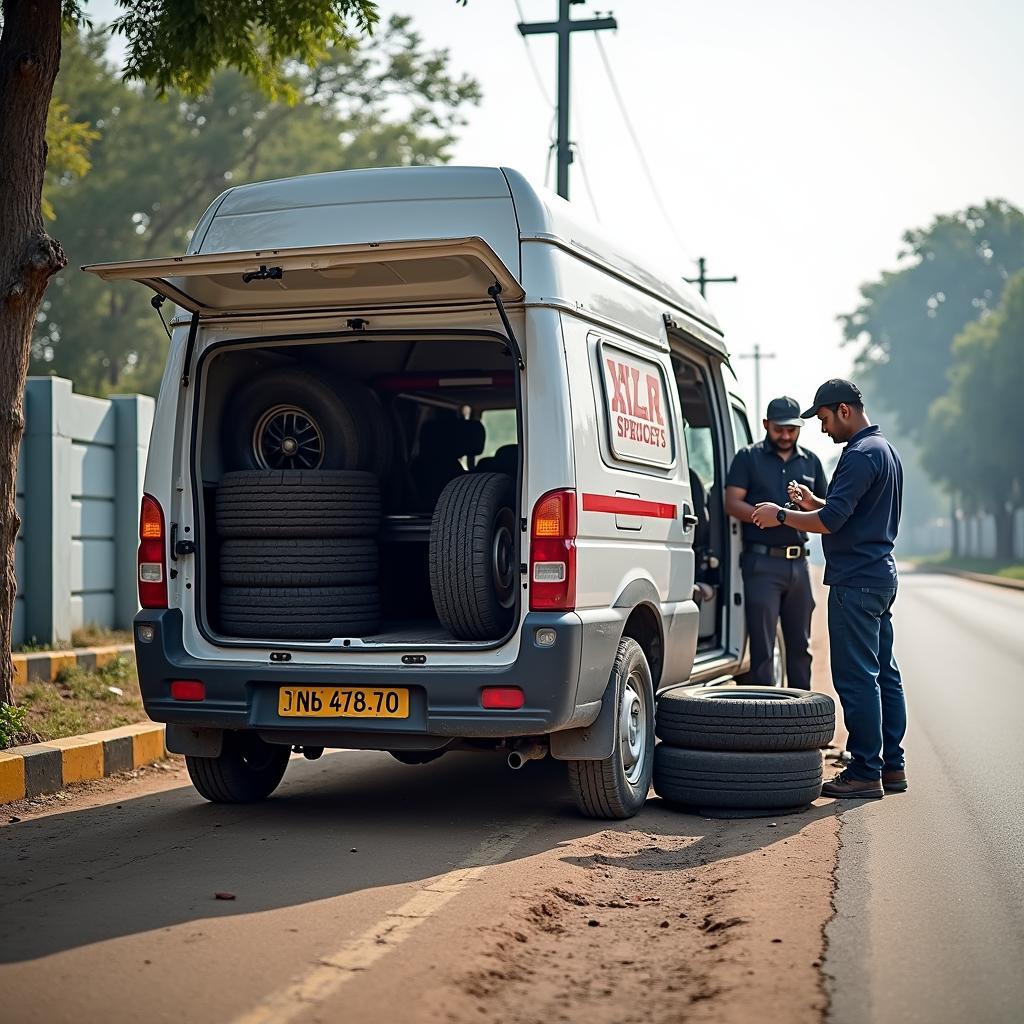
{"points": [[342, 702]]}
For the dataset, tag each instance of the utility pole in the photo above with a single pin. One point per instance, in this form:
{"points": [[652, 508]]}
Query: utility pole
{"points": [[564, 28], [757, 355], [701, 280]]}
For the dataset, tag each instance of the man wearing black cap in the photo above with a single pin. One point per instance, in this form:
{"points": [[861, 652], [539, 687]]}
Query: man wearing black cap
{"points": [[776, 583], [858, 518]]}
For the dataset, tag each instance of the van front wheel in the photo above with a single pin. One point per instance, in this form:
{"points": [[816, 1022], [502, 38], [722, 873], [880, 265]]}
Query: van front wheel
{"points": [[246, 770], [617, 786]]}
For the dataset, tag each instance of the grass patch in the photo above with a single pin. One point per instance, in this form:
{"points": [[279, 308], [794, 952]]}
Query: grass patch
{"points": [[79, 701], [100, 636], [88, 636], [986, 566]]}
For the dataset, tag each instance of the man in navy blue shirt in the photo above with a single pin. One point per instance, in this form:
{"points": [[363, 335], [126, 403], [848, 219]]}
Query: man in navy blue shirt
{"points": [[858, 519], [776, 583]]}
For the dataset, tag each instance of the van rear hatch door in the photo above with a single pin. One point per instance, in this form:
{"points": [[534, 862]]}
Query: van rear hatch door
{"points": [[357, 277]]}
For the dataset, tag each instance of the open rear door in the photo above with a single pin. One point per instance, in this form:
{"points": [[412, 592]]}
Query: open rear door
{"points": [[343, 277]]}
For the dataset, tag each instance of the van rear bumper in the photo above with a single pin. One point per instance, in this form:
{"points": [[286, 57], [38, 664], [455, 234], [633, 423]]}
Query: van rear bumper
{"points": [[444, 703]]}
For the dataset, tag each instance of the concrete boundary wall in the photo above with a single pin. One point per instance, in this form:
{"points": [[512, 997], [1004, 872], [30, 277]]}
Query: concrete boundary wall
{"points": [[80, 477]]}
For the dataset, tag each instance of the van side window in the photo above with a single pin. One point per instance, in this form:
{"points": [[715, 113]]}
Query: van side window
{"points": [[741, 428], [637, 412]]}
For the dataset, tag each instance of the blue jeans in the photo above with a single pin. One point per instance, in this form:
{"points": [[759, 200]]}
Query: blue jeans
{"points": [[867, 678]]}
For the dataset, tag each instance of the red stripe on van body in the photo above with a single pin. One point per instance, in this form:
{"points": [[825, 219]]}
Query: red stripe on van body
{"points": [[628, 506]]}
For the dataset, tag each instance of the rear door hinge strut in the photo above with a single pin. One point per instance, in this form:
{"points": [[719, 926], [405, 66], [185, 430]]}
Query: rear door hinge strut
{"points": [[495, 293], [193, 329]]}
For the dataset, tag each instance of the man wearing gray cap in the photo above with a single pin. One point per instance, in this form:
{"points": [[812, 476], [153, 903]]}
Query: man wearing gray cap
{"points": [[858, 518], [776, 582]]}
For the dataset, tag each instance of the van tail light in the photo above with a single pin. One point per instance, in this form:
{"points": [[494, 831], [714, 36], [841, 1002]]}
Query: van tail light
{"points": [[553, 553], [152, 555]]}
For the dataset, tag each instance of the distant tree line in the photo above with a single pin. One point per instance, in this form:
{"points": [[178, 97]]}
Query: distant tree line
{"points": [[130, 171], [941, 347]]}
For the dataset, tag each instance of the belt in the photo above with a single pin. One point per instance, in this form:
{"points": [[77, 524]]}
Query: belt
{"points": [[791, 552]]}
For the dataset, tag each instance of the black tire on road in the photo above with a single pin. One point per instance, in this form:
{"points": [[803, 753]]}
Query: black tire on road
{"points": [[247, 769], [736, 779], [299, 613], [617, 786], [751, 718], [298, 562], [319, 419], [298, 503], [474, 564]]}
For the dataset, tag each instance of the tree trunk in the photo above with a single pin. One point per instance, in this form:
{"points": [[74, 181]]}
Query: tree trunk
{"points": [[954, 527], [1004, 533], [29, 58]]}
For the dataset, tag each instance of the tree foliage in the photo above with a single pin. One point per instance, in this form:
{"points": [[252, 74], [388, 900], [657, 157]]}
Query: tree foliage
{"points": [[180, 44], [972, 440], [67, 150], [158, 163], [950, 273]]}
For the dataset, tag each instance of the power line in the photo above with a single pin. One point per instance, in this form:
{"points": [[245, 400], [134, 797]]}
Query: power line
{"points": [[533, 64], [639, 148], [563, 30], [586, 181], [757, 355]]}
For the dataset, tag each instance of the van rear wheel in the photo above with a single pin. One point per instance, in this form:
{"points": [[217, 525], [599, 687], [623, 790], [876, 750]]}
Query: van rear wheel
{"points": [[617, 786], [246, 770]]}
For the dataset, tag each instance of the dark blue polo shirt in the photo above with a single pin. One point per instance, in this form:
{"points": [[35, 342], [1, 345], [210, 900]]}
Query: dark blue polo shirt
{"points": [[765, 476], [862, 513]]}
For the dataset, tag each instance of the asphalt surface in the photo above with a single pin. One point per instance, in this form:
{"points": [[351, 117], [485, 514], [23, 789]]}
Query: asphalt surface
{"points": [[930, 900]]}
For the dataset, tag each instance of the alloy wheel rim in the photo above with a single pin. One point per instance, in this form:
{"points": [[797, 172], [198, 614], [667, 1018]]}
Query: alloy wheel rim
{"points": [[287, 437]]}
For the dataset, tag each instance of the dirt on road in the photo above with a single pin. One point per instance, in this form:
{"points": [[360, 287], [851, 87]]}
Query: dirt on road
{"points": [[686, 919]]}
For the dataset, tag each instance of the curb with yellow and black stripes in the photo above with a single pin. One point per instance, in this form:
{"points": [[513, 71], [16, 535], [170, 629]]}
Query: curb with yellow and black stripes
{"points": [[40, 768], [44, 666]]}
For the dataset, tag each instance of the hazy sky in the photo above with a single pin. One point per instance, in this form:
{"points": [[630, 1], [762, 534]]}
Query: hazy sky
{"points": [[792, 142]]}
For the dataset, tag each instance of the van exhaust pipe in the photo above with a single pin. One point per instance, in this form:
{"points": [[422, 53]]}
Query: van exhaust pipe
{"points": [[527, 750]]}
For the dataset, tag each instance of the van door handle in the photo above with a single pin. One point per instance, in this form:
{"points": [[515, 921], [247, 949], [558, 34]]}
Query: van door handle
{"points": [[689, 519]]}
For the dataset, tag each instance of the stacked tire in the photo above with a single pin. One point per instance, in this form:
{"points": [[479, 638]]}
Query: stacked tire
{"points": [[741, 750], [298, 553]]}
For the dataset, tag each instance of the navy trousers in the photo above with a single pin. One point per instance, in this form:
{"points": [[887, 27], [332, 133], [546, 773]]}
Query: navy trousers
{"points": [[867, 678], [774, 589]]}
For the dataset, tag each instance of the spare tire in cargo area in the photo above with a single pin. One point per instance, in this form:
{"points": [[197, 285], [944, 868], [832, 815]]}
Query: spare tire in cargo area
{"points": [[264, 503], [299, 613], [298, 562], [474, 561], [292, 419]]}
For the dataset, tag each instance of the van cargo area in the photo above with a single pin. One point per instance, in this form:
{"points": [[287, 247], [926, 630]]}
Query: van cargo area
{"points": [[358, 490]]}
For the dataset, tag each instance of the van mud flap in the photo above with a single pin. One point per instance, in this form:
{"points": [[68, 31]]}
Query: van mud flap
{"points": [[593, 742]]}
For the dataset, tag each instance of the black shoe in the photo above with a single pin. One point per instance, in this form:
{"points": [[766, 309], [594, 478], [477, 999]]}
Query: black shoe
{"points": [[847, 785]]}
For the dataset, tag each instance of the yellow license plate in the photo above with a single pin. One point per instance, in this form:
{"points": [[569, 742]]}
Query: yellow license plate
{"points": [[342, 702]]}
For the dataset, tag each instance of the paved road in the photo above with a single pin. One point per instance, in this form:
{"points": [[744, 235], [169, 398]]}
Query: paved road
{"points": [[930, 901]]}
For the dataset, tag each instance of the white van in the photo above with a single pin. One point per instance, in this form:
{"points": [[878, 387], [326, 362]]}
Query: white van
{"points": [[435, 465]]}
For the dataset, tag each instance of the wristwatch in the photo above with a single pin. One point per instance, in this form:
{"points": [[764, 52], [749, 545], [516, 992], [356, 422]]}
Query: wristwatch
{"points": [[781, 515]]}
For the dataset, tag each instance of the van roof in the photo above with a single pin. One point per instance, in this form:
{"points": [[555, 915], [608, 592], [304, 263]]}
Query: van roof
{"points": [[497, 203]]}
